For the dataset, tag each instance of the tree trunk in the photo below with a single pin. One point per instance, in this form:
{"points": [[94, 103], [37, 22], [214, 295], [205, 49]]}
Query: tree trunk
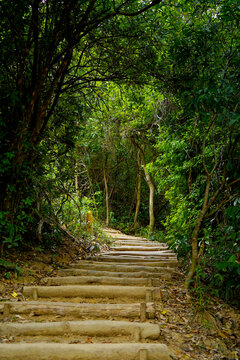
{"points": [[138, 190], [151, 200], [76, 180], [106, 191], [194, 240], [150, 185], [91, 190]]}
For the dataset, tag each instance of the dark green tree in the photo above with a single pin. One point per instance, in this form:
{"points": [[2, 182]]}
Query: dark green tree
{"points": [[199, 143], [49, 47]]}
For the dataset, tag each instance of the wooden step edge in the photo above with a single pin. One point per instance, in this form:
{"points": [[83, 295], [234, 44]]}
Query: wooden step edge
{"points": [[139, 331], [133, 310], [94, 291], [101, 280], [43, 351]]}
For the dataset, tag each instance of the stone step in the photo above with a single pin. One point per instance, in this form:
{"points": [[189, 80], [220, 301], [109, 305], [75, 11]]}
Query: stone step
{"points": [[43, 351]]}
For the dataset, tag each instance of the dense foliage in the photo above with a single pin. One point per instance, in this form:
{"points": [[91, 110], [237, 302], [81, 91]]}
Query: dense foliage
{"points": [[48, 49], [130, 110]]}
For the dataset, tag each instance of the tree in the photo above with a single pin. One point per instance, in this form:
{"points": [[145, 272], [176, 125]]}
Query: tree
{"points": [[199, 139], [48, 47], [138, 189]]}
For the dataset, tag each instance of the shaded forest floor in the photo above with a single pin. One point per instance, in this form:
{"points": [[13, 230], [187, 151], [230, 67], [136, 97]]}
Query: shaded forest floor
{"points": [[190, 332]]}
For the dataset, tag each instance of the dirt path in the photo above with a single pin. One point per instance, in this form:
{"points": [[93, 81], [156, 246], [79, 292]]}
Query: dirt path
{"points": [[125, 303], [100, 308]]}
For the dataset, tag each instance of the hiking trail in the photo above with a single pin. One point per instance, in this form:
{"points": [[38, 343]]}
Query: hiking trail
{"points": [[103, 307]]}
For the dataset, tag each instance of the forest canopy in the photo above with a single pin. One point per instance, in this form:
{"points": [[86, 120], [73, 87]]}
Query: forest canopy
{"points": [[129, 109]]}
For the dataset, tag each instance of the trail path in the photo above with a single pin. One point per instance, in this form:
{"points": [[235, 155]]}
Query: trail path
{"points": [[103, 307]]}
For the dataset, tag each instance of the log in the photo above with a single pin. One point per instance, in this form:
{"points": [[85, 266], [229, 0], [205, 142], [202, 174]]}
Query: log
{"points": [[137, 248], [91, 291], [43, 351], [135, 244], [141, 240], [120, 234], [92, 260], [134, 260], [132, 238], [161, 260], [6, 310], [128, 267], [137, 274], [139, 331], [149, 249], [143, 313], [124, 262], [153, 253], [78, 310], [100, 280], [112, 231], [159, 256]]}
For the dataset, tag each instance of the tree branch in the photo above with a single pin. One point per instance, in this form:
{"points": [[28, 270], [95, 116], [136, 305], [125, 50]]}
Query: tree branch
{"points": [[219, 207], [46, 103], [35, 25], [138, 12]]}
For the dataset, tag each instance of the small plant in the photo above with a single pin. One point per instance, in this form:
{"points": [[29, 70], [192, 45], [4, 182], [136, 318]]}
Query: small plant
{"points": [[10, 267], [7, 275], [199, 290]]}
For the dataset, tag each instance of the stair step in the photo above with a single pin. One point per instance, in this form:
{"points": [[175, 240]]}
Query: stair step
{"points": [[110, 266], [93, 291], [139, 331], [101, 280], [88, 296], [137, 248], [153, 253], [43, 351], [147, 259], [137, 274], [78, 310]]}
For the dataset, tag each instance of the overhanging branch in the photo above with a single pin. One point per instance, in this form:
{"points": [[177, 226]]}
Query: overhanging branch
{"points": [[138, 12]]}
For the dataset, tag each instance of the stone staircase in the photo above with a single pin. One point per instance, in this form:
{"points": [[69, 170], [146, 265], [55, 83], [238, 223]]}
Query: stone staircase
{"points": [[103, 307]]}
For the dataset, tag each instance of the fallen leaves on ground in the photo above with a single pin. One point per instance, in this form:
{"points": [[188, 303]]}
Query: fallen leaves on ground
{"points": [[191, 332]]}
